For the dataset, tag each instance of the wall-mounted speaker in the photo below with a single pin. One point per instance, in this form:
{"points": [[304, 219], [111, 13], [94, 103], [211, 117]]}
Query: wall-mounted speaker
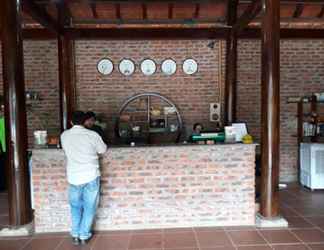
{"points": [[214, 112]]}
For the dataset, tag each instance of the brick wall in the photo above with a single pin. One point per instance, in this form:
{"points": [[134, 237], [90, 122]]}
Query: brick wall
{"points": [[301, 73], [41, 75], [191, 94], [302, 68], [183, 186]]}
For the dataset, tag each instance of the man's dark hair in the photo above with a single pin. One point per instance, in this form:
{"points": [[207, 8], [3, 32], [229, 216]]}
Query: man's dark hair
{"points": [[196, 125], [89, 115], [78, 117]]}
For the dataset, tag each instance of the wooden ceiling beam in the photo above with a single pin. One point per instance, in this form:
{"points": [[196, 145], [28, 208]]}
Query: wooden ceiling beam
{"points": [[185, 33], [64, 14], [93, 7], [118, 14], [321, 13], [144, 11], [170, 10], [298, 10], [41, 16], [184, 22], [248, 15], [231, 12], [197, 11]]}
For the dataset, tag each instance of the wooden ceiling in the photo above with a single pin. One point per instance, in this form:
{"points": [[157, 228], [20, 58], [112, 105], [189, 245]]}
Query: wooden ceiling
{"points": [[161, 13]]}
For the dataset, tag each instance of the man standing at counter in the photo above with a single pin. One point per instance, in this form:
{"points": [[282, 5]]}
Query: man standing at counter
{"points": [[82, 148]]}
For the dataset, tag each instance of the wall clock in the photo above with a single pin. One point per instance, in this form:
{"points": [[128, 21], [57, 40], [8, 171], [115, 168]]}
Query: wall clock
{"points": [[148, 67], [126, 67], [169, 67], [190, 66], [105, 66]]}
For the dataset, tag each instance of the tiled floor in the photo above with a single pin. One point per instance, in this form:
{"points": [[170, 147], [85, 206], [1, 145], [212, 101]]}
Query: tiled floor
{"points": [[303, 209]]}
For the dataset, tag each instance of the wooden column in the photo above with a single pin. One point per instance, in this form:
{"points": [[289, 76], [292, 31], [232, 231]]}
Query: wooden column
{"points": [[231, 66], [15, 114], [270, 109], [67, 80]]}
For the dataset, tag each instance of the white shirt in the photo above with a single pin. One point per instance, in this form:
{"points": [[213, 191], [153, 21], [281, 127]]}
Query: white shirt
{"points": [[82, 148]]}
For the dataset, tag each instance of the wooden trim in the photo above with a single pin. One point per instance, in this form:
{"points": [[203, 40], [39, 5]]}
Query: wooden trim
{"points": [[67, 80], [231, 66], [248, 15], [15, 114], [270, 110], [41, 16], [170, 11], [174, 33], [299, 10]]}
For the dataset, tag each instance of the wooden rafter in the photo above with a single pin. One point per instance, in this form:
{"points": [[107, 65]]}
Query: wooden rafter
{"points": [[197, 10], [144, 11], [170, 10], [94, 10], [41, 16], [64, 14], [118, 14], [321, 14], [248, 15], [298, 10]]}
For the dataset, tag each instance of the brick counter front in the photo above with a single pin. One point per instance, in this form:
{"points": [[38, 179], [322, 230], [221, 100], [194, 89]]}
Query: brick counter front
{"points": [[154, 187]]}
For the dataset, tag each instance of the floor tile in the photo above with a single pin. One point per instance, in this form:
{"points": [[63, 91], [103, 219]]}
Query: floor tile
{"points": [[12, 244], [298, 222], [148, 231], [111, 242], [279, 236], [146, 241], [239, 228], [208, 229], [39, 244], [316, 220], [178, 230], [290, 247], [246, 237], [219, 248], [316, 246], [309, 235], [180, 240], [212, 239], [66, 244], [260, 247], [288, 212]]}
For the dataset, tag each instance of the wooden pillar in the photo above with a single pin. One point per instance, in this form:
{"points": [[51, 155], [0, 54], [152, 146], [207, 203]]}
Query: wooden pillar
{"points": [[15, 114], [67, 80], [231, 66], [270, 109]]}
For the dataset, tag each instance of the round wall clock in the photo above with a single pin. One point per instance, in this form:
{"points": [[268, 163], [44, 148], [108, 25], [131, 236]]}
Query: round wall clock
{"points": [[169, 67], [126, 67], [148, 67], [105, 66], [190, 66]]}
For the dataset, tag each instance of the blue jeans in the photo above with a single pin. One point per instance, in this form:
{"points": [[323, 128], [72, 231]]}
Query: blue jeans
{"points": [[83, 202]]}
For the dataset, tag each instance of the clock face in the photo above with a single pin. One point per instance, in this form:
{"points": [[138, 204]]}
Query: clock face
{"points": [[190, 66], [169, 67], [126, 67], [105, 66], [148, 67]]}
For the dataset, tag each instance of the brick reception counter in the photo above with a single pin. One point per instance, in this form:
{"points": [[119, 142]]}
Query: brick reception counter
{"points": [[154, 187]]}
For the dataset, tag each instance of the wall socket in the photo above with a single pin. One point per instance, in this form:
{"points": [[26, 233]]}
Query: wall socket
{"points": [[214, 112]]}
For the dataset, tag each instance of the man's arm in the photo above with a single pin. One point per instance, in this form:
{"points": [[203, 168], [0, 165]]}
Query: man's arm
{"points": [[101, 147]]}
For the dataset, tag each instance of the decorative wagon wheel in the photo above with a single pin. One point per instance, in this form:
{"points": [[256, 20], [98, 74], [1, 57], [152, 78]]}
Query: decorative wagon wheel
{"points": [[149, 116]]}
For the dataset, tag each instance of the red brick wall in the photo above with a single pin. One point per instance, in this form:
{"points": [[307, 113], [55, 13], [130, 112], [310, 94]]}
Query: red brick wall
{"points": [[154, 187], [41, 75], [191, 94], [302, 67]]}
